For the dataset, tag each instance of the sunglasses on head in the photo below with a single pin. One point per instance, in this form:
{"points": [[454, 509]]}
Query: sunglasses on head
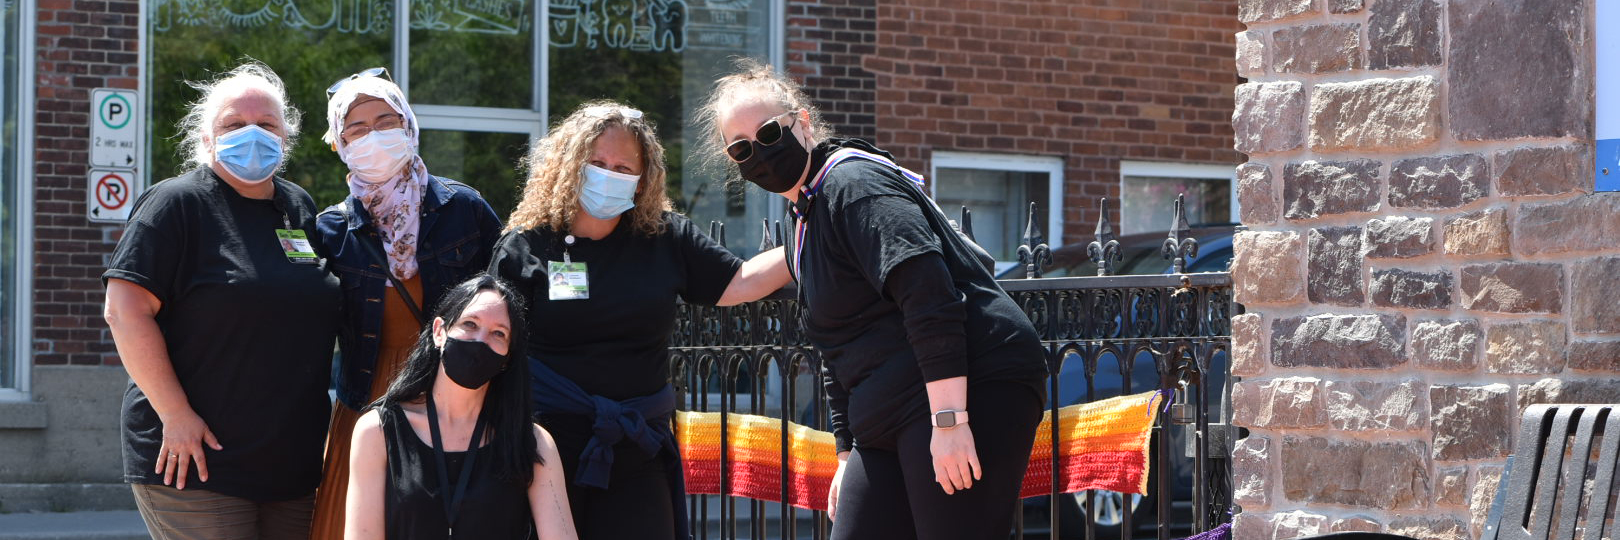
{"points": [[372, 72], [768, 134]]}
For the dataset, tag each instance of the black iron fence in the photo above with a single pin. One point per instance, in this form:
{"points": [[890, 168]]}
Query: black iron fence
{"points": [[1105, 336]]}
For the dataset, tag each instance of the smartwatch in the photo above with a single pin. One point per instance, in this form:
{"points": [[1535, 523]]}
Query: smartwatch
{"points": [[947, 418]]}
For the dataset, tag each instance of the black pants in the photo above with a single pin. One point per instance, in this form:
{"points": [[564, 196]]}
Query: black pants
{"points": [[636, 504], [891, 493]]}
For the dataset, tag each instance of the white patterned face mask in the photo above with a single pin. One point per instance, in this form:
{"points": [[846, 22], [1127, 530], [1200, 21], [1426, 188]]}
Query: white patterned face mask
{"points": [[379, 156]]}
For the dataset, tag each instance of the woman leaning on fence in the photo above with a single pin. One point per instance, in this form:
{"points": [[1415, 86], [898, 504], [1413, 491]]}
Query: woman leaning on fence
{"points": [[602, 259], [913, 331], [225, 319]]}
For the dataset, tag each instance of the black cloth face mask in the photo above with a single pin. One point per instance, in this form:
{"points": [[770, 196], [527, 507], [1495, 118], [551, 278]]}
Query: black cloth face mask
{"points": [[470, 364], [776, 168]]}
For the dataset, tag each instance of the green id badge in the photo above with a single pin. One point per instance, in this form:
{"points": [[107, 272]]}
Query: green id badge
{"points": [[568, 280], [296, 245]]}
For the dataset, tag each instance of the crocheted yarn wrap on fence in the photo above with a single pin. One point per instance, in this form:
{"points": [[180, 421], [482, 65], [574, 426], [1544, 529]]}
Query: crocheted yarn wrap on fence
{"points": [[1102, 445], [753, 465]]}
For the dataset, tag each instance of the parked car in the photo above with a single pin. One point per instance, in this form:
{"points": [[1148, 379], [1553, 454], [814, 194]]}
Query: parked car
{"points": [[1140, 254]]}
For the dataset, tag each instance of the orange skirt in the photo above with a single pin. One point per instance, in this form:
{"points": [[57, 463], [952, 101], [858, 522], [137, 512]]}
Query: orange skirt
{"points": [[399, 334]]}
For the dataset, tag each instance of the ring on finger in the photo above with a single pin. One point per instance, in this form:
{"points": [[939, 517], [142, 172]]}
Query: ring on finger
{"points": [[173, 455]]}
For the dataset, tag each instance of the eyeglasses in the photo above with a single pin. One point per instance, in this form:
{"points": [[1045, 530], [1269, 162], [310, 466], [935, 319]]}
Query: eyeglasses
{"points": [[372, 72], [385, 123], [768, 134]]}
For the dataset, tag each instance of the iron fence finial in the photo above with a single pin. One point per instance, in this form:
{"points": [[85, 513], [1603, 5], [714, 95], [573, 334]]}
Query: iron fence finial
{"points": [[1104, 249], [1180, 246], [967, 223], [1033, 253], [766, 241]]}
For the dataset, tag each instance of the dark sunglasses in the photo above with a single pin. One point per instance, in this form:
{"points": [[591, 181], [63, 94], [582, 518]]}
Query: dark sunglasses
{"points": [[769, 134], [373, 72]]}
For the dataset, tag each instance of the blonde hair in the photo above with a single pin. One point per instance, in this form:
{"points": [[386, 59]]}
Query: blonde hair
{"points": [[752, 80], [551, 196], [198, 124]]}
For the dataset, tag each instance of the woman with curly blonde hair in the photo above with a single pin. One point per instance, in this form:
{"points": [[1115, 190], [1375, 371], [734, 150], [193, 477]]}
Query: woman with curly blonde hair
{"points": [[602, 257]]}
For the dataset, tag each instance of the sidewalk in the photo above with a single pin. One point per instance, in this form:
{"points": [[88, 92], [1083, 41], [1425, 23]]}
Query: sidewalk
{"points": [[89, 525]]}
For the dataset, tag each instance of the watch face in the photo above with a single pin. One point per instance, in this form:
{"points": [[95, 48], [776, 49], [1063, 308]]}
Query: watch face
{"points": [[945, 419]]}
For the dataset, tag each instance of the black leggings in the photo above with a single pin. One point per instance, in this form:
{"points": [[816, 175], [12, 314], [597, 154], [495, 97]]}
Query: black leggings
{"points": [[891, 493]]}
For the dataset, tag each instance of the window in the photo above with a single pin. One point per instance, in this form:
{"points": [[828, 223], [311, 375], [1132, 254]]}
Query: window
{"points": [[485, 78], [998, 189], [16, 185], [1148, 193]]}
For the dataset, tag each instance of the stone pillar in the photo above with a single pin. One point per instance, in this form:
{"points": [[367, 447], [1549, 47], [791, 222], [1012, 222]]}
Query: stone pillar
{"points": [[1425, 255]]}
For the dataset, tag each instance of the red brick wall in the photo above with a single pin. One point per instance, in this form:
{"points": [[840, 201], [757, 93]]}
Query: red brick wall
{"points": [[81, 45], [826, 42], [1080, 80]]}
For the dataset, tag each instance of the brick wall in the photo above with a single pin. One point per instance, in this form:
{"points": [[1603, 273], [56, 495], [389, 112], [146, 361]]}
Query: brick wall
{"points": [[81, 45], [826, 40], [1425, 259], [1084, 81]]}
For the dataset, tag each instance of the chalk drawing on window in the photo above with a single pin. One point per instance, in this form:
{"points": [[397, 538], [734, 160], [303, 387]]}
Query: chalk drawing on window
{"points": [[638, 25]]}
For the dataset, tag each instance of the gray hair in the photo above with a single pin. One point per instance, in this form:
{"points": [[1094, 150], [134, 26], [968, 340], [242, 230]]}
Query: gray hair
{"points": [[198, 124]]}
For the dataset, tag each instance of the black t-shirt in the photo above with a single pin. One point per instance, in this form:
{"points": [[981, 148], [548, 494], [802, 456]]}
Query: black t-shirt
{"points": [[614, 344], [865, 221], [249, 333]]}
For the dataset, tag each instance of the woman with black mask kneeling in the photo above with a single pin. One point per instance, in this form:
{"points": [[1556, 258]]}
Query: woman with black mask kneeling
{"points": [[449, 451]]}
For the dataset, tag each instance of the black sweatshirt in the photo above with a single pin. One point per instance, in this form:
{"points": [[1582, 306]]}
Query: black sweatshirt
{"points": [[895, 299]]}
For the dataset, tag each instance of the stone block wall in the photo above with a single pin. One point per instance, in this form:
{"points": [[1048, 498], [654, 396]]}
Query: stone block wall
{"points": [[1425, 255]]}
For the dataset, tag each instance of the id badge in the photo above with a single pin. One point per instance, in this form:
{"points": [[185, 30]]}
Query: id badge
{"points": [[296, 245], [568, 280]]}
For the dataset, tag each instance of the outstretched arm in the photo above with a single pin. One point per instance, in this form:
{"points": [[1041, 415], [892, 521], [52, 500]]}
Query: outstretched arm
{"points": [[760, 276]]}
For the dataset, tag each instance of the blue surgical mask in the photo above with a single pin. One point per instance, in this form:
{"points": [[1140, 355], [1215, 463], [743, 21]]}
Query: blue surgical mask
{"points": [[606, 194], [251, 154]]}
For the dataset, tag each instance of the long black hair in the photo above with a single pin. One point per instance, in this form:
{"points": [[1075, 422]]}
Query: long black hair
{"points": [[506, 404]]}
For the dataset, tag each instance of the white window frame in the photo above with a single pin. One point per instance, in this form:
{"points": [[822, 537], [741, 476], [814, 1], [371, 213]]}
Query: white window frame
{"points": [[1162, 169], [22, 360], [1051, 165]]}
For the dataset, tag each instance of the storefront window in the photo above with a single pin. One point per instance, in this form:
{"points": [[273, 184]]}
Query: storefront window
{"points": [[470, 69], [309, 43], [662, 56], [12, 197]]}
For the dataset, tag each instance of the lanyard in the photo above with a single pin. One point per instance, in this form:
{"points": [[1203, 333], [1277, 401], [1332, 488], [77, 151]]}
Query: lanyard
{"points": [[452, 503], [801, 209]]}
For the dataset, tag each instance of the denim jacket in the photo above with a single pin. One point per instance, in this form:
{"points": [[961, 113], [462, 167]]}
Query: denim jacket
{"points": [[458, 229]]}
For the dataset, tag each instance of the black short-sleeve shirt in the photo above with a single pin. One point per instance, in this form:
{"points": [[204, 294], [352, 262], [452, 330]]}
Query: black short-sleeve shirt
{"points": [[249, 333], [865, 221], [615, 343]]}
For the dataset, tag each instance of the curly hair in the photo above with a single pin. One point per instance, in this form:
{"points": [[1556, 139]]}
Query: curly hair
{"points": [[197, 127], [551, 195], [752, 81]]}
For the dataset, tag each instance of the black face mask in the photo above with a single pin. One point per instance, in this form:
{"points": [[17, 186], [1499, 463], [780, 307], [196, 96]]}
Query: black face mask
{"points": [[777, 167], [470, 364]]}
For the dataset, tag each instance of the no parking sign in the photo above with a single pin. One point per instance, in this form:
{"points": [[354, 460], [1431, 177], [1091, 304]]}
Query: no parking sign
{"points": [[115, 154], [111, 195]]}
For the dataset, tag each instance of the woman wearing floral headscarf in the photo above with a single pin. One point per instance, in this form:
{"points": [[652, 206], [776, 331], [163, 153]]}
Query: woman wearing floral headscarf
{"points": [[397, 243]]}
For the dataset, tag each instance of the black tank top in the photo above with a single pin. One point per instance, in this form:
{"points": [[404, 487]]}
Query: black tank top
{"points": [[490, 508]]}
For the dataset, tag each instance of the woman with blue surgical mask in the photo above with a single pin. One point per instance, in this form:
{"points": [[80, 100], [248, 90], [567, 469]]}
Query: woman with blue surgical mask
{"points": [[224, 316], [398, 242], [602, 258]]}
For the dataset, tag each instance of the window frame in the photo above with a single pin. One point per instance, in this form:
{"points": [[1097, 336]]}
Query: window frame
{"points": [[22, 360], [1165, 169], [1051, 165]]}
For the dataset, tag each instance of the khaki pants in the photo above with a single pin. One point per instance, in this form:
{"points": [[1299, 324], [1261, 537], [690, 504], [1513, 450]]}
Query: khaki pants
{"points": [[195, 514]]}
